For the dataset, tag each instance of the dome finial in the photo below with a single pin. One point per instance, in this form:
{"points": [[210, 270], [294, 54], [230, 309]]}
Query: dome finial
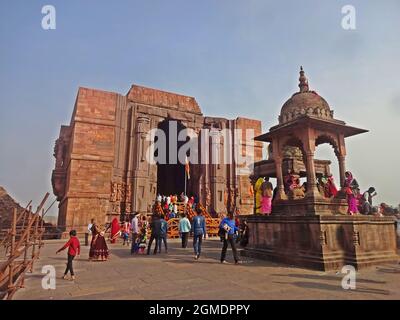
{"points": [[303, 85]]}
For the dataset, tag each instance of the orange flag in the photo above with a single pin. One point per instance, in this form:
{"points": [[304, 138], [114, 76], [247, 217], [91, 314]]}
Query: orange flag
{"points": [[187, 167]]}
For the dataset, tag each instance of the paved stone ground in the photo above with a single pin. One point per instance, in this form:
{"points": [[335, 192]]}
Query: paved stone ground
{"points": [[177, 276]]}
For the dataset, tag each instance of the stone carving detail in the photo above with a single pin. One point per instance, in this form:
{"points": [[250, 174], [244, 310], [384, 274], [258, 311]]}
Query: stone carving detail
{"points": [[121, 197], [306, 102], [116, 208], [113, 197], [356, 238], [292, 153], [58, 177], [128, 199], [322, 238], [59, 152], [208, 198]]}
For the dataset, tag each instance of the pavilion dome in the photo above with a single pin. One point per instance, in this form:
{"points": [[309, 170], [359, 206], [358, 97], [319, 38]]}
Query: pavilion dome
{"points": [[305, 102]]}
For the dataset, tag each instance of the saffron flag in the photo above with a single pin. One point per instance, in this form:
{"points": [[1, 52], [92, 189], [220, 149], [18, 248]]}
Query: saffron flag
{"points": [[187, 167]]}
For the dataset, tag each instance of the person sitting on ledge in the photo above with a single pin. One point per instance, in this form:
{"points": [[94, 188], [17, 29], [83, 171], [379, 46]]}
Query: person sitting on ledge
{"points": [[332, 190], [366, 200], [296, 191]]}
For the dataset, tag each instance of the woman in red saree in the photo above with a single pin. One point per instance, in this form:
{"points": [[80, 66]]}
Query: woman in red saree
{"points": [[115, 230], [331, 190], [98, 246]]}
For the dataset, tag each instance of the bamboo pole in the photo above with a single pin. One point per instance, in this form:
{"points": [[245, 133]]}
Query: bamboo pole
{"points": [[12, 249], [28, 206], [16, 250], [28, 238], [31, 222], [35, 238]]}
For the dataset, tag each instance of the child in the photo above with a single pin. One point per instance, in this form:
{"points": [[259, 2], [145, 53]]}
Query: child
{"points": [[74, 248], [142, 239], [126, 227]]}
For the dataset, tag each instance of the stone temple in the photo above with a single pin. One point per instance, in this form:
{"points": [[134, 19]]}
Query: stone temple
{"points": [[101, 169]]}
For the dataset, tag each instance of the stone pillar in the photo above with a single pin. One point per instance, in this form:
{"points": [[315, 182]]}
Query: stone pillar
{"points": [[217, 180], [342, 169], [140, 172], [277, 156], [312, 190], [341, 156], [280, 195]]}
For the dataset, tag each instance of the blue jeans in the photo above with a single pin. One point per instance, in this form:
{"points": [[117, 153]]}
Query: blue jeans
{"points": [[197, 240], [162, 238]]}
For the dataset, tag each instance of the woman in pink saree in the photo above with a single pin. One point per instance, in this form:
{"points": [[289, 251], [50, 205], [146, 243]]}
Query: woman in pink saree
{"points": [[351, 186], [266, 198]]}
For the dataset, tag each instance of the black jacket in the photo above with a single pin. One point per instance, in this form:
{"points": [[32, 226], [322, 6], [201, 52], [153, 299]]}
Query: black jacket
{"points": [[155, 226]]}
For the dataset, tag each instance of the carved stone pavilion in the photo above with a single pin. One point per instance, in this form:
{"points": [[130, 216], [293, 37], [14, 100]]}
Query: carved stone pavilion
{"points": [[311, 230]]}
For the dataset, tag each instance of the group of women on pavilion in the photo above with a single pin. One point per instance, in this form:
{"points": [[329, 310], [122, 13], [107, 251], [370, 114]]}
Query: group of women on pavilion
{"points": [[357, 202]]}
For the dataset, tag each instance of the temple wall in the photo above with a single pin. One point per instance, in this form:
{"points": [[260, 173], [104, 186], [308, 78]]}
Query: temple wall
{"points": [[245, 192], [90, 159]]}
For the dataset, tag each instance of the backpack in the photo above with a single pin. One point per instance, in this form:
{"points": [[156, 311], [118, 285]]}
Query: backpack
{"points": [[221, 233]]}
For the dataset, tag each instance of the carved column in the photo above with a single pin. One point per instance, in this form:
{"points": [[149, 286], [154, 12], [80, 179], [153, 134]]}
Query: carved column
{"points": [[341, 155], [308, 140], [216, 177], [277, 155], [342, 169], [312, 190], [140, 176]]}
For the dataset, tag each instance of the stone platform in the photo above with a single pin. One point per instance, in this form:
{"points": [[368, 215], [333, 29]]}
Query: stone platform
{"points": [[323, 242]]}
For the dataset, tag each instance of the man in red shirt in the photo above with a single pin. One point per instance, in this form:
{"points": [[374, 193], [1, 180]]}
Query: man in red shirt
{"points": [[74, 248]]}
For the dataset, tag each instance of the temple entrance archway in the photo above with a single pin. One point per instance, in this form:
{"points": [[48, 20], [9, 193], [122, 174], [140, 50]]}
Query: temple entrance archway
{"points": [[171, 174]]}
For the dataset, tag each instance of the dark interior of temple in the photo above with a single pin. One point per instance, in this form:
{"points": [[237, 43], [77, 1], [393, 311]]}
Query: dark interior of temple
{"points": [[170, 175]]}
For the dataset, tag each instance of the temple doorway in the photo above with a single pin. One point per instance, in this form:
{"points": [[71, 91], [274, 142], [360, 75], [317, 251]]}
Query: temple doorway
{"points": [[171, 174]]}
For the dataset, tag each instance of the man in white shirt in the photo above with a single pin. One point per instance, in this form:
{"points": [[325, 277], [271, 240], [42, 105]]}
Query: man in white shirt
{"points": [[366, 200], [135, 230]]}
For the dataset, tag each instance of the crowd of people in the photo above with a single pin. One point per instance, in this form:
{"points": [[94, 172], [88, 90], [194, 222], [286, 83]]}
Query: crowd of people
{"points": [[134, 230], [169, 204], [358, 202]]}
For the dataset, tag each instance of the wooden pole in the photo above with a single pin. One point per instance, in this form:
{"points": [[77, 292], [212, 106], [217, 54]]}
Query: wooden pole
{"points": [[12, 249], [13, 231], [44, 212], [42, 230], [21, 240], [28, 207], [35, 238], [28, 238]]}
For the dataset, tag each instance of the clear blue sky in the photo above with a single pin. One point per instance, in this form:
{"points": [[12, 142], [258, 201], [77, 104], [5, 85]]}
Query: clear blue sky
{"points": [[236, 57]]}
